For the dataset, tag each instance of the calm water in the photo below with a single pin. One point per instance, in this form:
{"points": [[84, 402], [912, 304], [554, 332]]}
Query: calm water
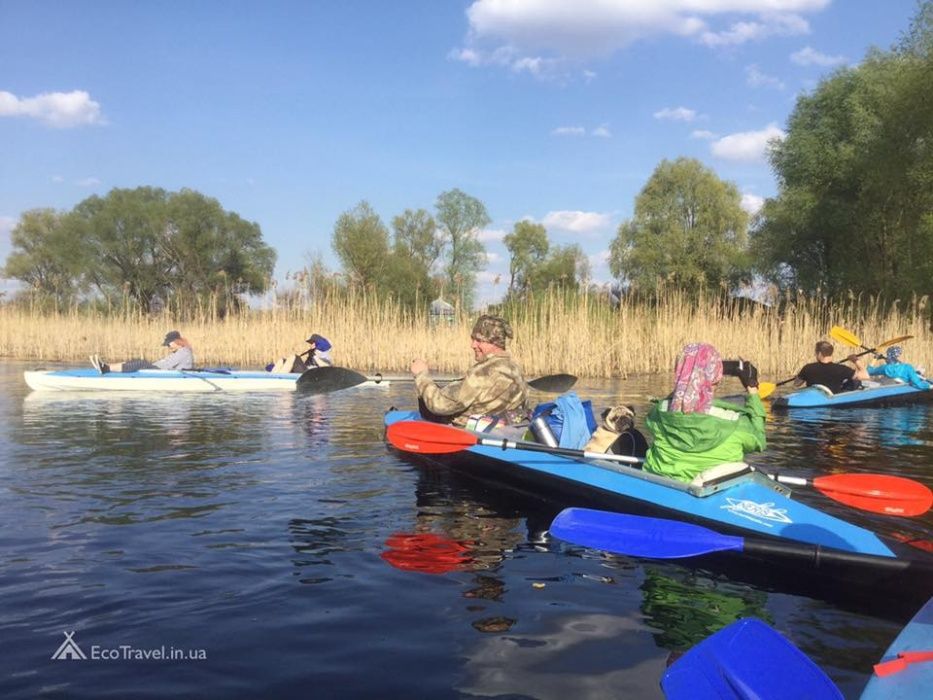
{"points": [[277, 536]]}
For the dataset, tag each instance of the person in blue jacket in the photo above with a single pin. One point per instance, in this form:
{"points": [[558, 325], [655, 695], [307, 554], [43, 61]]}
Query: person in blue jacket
{"points": [[895, 369]]}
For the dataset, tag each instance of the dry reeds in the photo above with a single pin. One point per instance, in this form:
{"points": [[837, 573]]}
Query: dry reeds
{"points": [[581, 334]]}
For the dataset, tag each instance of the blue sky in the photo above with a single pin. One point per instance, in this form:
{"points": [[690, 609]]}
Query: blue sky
{"points": [[290, 113]]}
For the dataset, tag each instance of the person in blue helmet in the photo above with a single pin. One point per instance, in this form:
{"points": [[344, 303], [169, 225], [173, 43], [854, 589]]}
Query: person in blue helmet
{"points": [[318, 355], [895, 369]]}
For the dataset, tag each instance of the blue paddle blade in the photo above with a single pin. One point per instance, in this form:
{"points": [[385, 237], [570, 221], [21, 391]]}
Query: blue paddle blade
{"points": [[638, 536], [748, 660]]}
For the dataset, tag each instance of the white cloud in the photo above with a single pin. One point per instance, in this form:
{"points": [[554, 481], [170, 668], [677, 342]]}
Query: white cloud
{"points": [[702, 134], [752, 203], [677, 114], [755, 78], [577, 221], [746, 145], [811, 57], [546, 37], [599, 262], [569, 131], [601, 131], [769, 24], [492, 258], [57, 178], [56, 109], [489, 235], [88, 182]]}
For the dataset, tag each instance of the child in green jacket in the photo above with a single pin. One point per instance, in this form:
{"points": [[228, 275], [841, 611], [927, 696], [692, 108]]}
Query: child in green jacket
{"points": [[692, 431]]}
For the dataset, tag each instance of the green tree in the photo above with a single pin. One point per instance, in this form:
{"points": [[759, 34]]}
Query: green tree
{"points": [[148, 244], [47, 256], [460, 218], [565, 267], [854, 209], [213, 253], [125, 231], [528, 247], [417, 236], [689, 228], [157, 246], [361, 242]]}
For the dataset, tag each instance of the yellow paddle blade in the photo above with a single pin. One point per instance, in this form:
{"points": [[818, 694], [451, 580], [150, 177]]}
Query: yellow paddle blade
{"points": [[841, 335], [893, 341], [765, 389]]}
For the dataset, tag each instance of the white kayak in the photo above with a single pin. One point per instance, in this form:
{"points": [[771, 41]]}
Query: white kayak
{"points": [[195, 380]]}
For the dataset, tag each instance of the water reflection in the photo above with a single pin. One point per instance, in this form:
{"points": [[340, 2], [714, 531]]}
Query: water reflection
{"points": [[687, 606]]}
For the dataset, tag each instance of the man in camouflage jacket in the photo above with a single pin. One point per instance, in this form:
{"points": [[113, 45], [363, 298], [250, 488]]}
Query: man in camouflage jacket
{"points": [[492, 386]]}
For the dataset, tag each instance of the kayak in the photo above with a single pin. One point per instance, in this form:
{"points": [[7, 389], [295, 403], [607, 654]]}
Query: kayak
{"points": [[906, 670], [194, 380], [885, 392], [744, 503]]}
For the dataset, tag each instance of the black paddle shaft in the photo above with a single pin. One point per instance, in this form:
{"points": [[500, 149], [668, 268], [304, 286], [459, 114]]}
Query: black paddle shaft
{"points": [[817, 555]]}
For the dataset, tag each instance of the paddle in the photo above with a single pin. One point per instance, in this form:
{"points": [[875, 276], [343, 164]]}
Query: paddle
{"points": [[321, 380], [658, 538], [765, 389], [550, 383], [553, 383], [436, 438], [876, 493], [842, 335], [747, 659]]}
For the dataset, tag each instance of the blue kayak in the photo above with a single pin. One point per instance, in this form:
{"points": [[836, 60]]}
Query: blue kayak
{"points": [[906, 677], [747, 503], [885, 392]]}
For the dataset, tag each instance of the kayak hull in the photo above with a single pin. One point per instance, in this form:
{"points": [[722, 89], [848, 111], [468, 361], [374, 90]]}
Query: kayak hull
{"points": [[167, 381], [888, 393], [749, 507], [916, 680]]}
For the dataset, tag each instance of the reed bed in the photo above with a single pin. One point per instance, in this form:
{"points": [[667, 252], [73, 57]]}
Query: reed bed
{"points": [[554, 332]]}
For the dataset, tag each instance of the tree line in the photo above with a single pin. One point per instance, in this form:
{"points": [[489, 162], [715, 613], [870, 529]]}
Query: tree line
{"points": [[441, 254], [147, 245]]}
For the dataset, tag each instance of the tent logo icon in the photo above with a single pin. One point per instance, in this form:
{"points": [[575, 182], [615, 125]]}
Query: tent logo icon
{"points": [[69, 649]]}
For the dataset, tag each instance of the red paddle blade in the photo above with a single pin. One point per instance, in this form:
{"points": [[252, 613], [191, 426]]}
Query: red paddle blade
{"points": [[428, 438], [877, 493]]}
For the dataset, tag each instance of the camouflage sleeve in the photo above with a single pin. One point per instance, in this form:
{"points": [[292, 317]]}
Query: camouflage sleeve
{"points": [[491, 386], [443, 402]]}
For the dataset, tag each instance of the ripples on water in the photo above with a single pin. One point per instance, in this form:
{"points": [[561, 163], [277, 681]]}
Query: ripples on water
{"points": [[279, 535]]}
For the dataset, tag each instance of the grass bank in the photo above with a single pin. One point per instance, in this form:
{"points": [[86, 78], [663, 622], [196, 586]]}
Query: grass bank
{"points": [[554, 333]]}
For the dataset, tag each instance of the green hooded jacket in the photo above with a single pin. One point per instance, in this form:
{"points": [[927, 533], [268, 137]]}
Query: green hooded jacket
{"points": [[686, 444]]}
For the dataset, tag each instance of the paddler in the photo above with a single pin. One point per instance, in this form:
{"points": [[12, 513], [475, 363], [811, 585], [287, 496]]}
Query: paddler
{"points": [[493, 386], [692, 431], [834, 376], [894, 368], [180, 357]]}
